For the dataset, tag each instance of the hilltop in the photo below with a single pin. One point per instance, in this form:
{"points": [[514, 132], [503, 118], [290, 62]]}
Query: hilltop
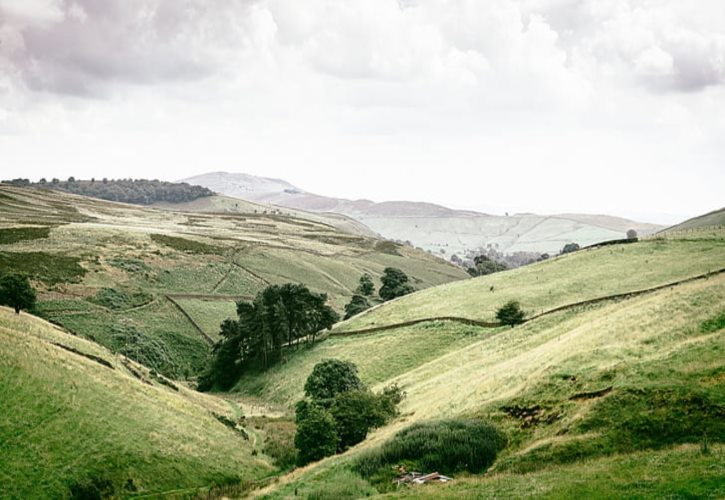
{"points": [[439, 229], [710, 220], [624, 372], [158, 283], [74, 413]]}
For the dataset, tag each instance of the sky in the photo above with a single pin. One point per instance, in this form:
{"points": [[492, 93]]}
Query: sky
{"points": [[543, 106]]}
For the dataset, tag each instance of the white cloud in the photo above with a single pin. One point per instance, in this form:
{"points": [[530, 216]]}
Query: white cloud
{"points": [[456, 94]]}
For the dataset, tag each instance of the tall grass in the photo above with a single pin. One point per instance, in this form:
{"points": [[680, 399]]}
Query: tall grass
{"points": [[446, 446]]}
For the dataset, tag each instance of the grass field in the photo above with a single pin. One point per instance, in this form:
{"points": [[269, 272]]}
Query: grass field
{"points": [[105, 268], [571, 278], [67, 418], [589, 398]]}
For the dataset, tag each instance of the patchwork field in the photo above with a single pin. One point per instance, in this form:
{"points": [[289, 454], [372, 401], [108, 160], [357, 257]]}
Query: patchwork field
{"points": [[143, 280]]}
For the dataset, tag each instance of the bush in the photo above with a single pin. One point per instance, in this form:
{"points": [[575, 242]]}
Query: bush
{"points": [[570, 247], [331, 377], [341, 484], [366, 286], [118, 299], [150, 352], [94, 488], [510, 314], [316, 436], [17, 292], [446, 446], [16, 234]]}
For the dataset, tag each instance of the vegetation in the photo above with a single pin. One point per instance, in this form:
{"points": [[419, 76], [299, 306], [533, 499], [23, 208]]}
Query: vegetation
{"points": [[11, 235], [367, 286], [280, 316], [570, 247], [17, 292], [395, 284], [119, 299], [49, 268], [580, 276], [331, 377], [631, 234], [510, 314], [484, 265], [357, 304], [187, 245], [61, 405], [316, 436], [138, 191], [446, 446], [340, 412]]}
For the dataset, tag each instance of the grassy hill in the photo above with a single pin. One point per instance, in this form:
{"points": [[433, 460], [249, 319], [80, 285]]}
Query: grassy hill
{"points": [[73, 412], [621, 397], [432, 227], [709, 221], [159, 282]]}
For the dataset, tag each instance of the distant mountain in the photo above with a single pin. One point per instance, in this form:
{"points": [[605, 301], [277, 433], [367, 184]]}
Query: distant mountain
{"points": [[710, 219], [434, 227]]}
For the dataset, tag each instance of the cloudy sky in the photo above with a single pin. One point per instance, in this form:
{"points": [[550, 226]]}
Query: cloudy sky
{"points": [[613, 106]]}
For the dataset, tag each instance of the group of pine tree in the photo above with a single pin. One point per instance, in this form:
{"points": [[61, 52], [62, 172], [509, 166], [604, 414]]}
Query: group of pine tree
{"points": [[286, 316]]}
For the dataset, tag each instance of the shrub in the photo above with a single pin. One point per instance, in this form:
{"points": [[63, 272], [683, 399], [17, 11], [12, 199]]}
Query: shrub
{"points": [[45, 267], [186, 245], [570, 247], [510, 314], [340, 485], [150, 352], [16, 292], [446, 446], [366, 286], [632, 234], [16, 234], [94, 488], [316, 436], [118, 299], [331, 377]]}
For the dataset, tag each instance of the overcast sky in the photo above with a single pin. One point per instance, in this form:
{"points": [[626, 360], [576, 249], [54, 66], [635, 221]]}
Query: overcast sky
{"points": [[613, 106]]}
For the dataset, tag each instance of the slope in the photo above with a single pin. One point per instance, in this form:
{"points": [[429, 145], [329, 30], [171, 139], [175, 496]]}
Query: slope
{"points": [[156, 284], [710, 220], [433, 227], [574, 277], [73, 412], [636, 378]]}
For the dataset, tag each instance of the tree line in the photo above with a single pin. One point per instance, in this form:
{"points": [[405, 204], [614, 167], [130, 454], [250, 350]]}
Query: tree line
{"points": [[136, 191]]}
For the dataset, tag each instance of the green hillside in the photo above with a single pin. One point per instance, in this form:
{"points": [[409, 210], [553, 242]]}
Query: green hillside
{"points": [[589, 397], [710, 221], [72, 412], [574, 277], [138, 279]]}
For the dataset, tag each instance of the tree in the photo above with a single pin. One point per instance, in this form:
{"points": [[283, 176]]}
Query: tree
{"points": [[395, 284], [570, 247], [355, 414], [331, 377], [17, 292], [366, 286], [510, 314], [357, 304], [485, 265], [632, 234], [316, 435]]}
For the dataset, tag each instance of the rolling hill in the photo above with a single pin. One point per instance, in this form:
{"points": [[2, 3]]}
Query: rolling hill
{"points": [[156, 284], [708, 221], [73, 413], [590, 395], [433, 227]]}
